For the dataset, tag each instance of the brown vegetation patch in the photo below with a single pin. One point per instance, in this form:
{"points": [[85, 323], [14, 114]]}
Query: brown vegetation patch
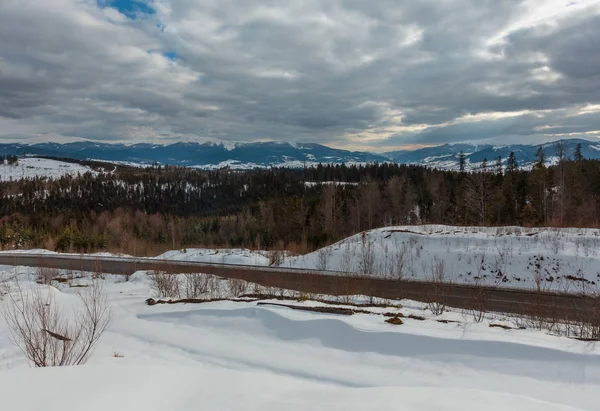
{"points": [[395, 321], [152, 301], [504, 327], [389, 314], [327, 310]]}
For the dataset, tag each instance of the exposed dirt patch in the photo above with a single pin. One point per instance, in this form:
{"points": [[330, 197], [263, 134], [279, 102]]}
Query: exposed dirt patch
{"points": [[395, 321], [152, 301], [328, 310], [504, 327]]}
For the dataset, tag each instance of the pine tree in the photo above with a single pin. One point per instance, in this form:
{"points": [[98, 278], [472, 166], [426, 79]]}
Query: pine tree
{"points": [[499, 165], [540, 164], [577, 156], [461, 161], [511, 164]]}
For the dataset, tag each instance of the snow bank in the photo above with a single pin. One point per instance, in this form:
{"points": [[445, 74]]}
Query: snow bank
{"points": [[212, 255], [562, 259], [191, 388]]}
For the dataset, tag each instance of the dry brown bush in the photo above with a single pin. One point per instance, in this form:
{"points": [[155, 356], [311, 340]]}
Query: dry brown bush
{"points": [[48, 335], [195, 285], [237, 286], [276, 258], [164, 284], [437, 303], [45, 275]]}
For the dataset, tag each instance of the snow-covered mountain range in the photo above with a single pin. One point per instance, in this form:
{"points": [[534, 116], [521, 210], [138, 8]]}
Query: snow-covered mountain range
{"points": [[217, 154], [446, 156]]}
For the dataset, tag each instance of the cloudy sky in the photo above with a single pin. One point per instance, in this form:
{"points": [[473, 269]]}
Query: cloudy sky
{"points": [[359, 74]]}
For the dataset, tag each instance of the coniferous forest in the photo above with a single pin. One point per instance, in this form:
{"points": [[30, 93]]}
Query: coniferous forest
{"points": [[147, 210]]}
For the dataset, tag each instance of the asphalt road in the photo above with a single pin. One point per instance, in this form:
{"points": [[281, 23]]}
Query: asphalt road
{"points": [[500, 299]]}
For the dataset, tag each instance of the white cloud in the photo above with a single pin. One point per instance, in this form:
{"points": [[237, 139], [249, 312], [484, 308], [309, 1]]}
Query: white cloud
{"points": [[345, 72]]}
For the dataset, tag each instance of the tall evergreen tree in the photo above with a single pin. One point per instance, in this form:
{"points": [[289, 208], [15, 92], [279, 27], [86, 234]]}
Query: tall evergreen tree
{"points": [[540, 163], [461, 162], [511, 163], [577, 156]]}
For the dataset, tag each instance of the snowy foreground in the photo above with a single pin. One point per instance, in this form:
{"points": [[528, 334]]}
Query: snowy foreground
{"points": [[238, 355]]}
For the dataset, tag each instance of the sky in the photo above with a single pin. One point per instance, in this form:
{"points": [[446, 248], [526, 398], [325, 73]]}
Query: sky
{"points": [[356, 74]]}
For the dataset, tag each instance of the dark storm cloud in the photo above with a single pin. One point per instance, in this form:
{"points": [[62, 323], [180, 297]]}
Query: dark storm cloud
{"points": [[304, 70]]}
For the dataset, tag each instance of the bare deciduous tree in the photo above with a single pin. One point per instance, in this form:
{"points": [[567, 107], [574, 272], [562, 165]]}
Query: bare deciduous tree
{"points": [[48, 335], [346, 258], [164, 284], [237, 286], [437, 303], [366, 255], [195, 285], [45, 275], [322, 256]]}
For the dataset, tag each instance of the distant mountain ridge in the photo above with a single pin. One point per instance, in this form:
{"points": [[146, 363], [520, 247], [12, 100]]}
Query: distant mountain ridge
{"points": [[283, 154], [446, 156], [203, 155]]}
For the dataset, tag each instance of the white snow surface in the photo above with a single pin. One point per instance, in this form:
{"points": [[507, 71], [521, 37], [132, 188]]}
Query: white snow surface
{"points": [[237, 355], [240, 256], [503, 256], [31, 167]]}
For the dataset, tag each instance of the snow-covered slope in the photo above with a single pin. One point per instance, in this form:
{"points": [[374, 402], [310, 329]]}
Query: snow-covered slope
{"points": [[237, 355], [30, 167], [561, 259], [221, 256], [446, 156]]}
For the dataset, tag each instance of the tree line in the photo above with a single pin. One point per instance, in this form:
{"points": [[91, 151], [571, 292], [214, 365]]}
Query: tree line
{"points": [[144, 211]]}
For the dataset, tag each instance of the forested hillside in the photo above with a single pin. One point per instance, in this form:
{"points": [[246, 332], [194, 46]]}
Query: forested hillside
{"points": [[141, 211]]}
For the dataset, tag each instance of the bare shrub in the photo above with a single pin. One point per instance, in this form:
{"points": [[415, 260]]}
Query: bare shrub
{"points": [[164, 284], [346, 259], [47, 335], [322, 257], [366, 255], [395, 261], [587, 325], [214, 290], [437, 304], [482, 291], [276, 258], [98, 272], [45, 275], [237, 286], [344, 295], [195, 285]]}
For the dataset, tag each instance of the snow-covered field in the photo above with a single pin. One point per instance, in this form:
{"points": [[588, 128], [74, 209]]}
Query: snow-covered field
{"points": [[30, 167], [238, 355]]}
